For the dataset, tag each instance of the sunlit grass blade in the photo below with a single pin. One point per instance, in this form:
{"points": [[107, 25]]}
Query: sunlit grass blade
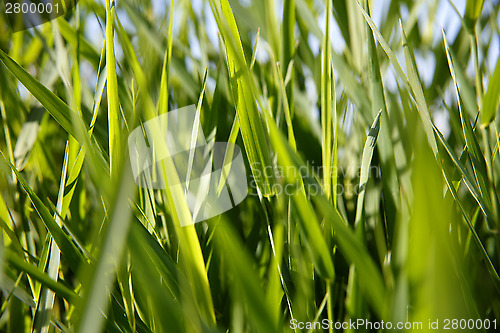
{"points": [[473, 10], [252, 130], [175, 204], [286, 106], [489, 108], [327, 120], [371, 140], [114, 115]]}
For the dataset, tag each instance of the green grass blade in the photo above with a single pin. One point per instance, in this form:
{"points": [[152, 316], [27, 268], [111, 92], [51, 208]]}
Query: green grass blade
{"points": [[326, 108], [255, 48], [11, 287], [148, 107], [371, 140], [154, 273], [45, 304], [308, 224], [288, 48], [114, 115], [60, 289], [357, 36], [163, 99], [252, 130], [78, 41], [246, 287], [477, 157], [355, 304], [91, 319], [385, 146], [473, 10], [431, 245], [489, 108], [74, 258], [385, 46], [487, 260], [350, 246], [53, 104], [418, 93], [471, 185], [286, 106]]}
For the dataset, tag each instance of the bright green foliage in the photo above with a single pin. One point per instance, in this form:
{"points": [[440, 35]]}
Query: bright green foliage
{"points": [[373, 172], [491, 97], [473, 10]]}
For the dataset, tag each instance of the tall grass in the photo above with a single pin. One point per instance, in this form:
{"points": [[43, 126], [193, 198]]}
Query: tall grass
{"points": [[372, 151]]}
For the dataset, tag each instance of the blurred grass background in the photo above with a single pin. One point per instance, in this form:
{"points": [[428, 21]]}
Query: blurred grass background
{"points": [[389, 109]]}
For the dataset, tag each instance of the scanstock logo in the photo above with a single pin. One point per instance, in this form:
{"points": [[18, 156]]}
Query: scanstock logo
{"points": [[171, 150], [25, 14]]}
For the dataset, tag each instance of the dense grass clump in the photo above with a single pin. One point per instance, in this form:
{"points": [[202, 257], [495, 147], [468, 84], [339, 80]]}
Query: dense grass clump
{"points": [[369, 131]]}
